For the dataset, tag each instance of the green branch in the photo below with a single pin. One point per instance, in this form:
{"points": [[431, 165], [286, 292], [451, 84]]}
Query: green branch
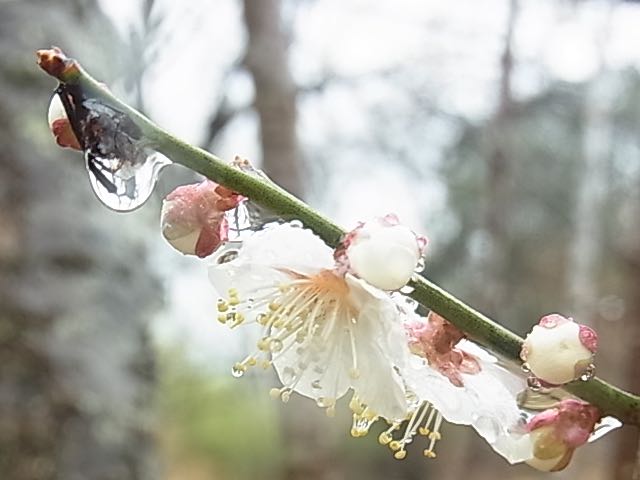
{"points": [[610, 399]]}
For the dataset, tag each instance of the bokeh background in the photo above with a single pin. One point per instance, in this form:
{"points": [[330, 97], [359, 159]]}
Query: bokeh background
{"points": [[506, 130]]}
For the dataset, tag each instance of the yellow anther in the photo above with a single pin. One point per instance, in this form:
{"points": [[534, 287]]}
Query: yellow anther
{"points": [[238, 318], [262, 319], [285, 396], [384, 438], [429, 453], [273, 306], [355, 432], [266, 364], [400, 455], [394, 445], [331, 411], [355, 406], [222, 305], [424, 431], [263, 344], [222, 318], [435, 436], [233, 301], [233, 292], [274, 393], [251, 361]]}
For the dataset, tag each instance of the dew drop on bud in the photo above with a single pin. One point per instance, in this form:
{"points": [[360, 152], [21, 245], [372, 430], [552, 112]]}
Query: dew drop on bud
{"points": [[589, 373], [123, 168], [534, 384]]}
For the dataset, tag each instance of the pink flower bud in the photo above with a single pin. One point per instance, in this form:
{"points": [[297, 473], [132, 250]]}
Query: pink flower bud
{"points": [[60, 126], [558, 350], [382, 252], [557, 432], [193, 217]]}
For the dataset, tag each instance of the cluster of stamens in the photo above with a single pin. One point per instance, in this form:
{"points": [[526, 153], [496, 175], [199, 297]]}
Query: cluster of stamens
{"points": [[425, 420], [301, 316]]}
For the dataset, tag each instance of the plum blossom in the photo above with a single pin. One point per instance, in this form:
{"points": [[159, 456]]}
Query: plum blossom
{"points": [[559, 350], [462, 383], [193, 217], [324, 330]]}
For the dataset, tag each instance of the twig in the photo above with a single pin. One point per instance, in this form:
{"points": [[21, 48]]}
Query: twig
{"points": [[610, 399]]}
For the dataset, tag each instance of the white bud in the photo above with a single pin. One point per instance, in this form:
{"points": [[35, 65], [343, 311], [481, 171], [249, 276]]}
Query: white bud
{"points": [[383, 255], [555, 352]]}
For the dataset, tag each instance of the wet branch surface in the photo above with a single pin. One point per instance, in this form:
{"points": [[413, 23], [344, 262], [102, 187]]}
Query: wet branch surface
{"points": [[610, 399]]}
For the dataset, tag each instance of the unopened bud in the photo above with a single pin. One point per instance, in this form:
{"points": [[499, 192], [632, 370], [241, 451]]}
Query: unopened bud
{"points": [[557, 432], [193, 217], [382, 252], [558, 350], [60, 125]]}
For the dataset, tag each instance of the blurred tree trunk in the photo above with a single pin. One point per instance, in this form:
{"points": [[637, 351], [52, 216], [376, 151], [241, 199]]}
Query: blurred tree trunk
{"points": [[275, 100], [499, 182], [305, 429], [76, 367], [627, 455]]}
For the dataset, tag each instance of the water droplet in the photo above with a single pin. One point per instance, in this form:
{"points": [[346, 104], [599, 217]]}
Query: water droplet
{"points": [[604, 426], [288, 374], [534, 384], [324, 402], [589, 373], [406, 289], [227, 252], [275, 345], [124, 184], [420, 265], [123, 168], [237, 370], [246, 219], [227, 256]]}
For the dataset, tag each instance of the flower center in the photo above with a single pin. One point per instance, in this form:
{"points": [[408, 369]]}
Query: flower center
{"points": [[307, 321]]}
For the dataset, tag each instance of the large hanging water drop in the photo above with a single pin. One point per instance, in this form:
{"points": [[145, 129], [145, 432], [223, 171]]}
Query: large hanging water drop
{"points": [[123, 168]]}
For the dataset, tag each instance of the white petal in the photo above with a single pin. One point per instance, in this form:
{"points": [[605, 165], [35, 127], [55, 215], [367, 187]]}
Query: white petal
{"points": [[485, 402], [287, 246]]}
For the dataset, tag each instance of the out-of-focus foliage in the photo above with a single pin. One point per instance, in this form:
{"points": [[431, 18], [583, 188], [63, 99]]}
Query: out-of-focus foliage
{"points": [[216, 422]]}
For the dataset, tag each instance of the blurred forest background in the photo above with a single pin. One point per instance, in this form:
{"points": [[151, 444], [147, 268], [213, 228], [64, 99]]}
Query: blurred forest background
{"points": [[507, 130]]}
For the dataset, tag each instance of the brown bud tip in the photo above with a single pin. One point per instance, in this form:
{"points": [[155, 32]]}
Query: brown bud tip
{"points": [[54, 61]]}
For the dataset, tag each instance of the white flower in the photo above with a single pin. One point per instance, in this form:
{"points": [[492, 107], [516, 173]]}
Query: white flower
{"points": [[323, 332], [486, 400]]}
